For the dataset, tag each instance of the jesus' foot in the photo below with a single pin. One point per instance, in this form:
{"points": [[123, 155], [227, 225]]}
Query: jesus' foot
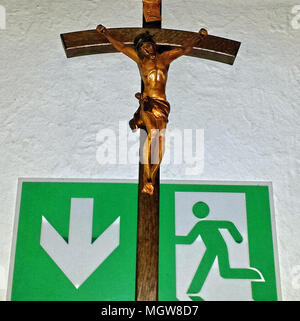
{"points": [[148, 188]]}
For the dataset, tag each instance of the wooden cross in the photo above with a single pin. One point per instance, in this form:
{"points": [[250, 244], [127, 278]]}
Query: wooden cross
{"points": [[213, 48]]}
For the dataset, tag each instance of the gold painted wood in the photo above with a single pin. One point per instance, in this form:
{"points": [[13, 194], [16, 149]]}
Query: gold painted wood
{"points": [[152, 10]]}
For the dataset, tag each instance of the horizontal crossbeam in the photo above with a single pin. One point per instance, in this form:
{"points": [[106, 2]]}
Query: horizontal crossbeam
{"points": [[90, 42]]}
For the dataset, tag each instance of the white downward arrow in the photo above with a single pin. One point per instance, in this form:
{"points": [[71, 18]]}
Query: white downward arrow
{"points": [[79, 258]]}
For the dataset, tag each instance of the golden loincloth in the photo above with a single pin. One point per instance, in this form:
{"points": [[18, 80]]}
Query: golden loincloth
{"points": [[160, 109]]}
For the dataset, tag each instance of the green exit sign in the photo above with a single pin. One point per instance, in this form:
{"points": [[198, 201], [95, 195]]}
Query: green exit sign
{"points": [[76, 240]]}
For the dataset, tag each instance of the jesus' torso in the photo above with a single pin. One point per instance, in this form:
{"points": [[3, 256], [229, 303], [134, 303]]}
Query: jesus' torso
{"points": [[154, 74]]}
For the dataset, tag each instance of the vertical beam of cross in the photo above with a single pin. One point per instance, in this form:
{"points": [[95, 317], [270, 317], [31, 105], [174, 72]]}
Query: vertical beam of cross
{"points": [[214, 48], [148, 221]]}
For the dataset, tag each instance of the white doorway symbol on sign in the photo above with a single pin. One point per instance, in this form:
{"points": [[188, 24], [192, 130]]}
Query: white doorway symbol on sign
{"points": [[222, 273]]}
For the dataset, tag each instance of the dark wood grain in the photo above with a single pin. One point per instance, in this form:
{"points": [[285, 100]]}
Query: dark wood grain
{"points": [[91, 42], [147, 242], [148, 227]]}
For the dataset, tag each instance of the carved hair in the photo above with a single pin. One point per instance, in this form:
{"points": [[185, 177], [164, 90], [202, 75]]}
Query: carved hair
{"points": [[141, 39]]}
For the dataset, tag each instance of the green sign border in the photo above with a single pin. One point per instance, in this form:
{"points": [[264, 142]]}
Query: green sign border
{"points": [[259, 200], [33, 196]]}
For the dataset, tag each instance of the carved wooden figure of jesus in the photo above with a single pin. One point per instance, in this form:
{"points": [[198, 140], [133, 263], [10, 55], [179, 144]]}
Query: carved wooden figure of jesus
{"points": [[152, 114]]}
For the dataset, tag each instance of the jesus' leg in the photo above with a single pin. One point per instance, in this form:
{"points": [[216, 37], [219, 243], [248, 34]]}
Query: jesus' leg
{"points": [[150, 123], [147, 187], [159, 149]]}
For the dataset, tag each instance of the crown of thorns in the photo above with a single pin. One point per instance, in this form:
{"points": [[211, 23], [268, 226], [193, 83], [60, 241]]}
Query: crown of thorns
{"points": [[142, 38]]}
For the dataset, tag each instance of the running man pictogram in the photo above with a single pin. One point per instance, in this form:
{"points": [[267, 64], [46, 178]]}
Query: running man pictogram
{"points": [[216, 247]]}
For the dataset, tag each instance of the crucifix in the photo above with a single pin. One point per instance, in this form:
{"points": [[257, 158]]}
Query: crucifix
{"points": [[153, 49]]}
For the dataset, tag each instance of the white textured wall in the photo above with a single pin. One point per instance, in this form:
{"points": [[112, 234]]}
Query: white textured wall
{"points": [[52, 108]]}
